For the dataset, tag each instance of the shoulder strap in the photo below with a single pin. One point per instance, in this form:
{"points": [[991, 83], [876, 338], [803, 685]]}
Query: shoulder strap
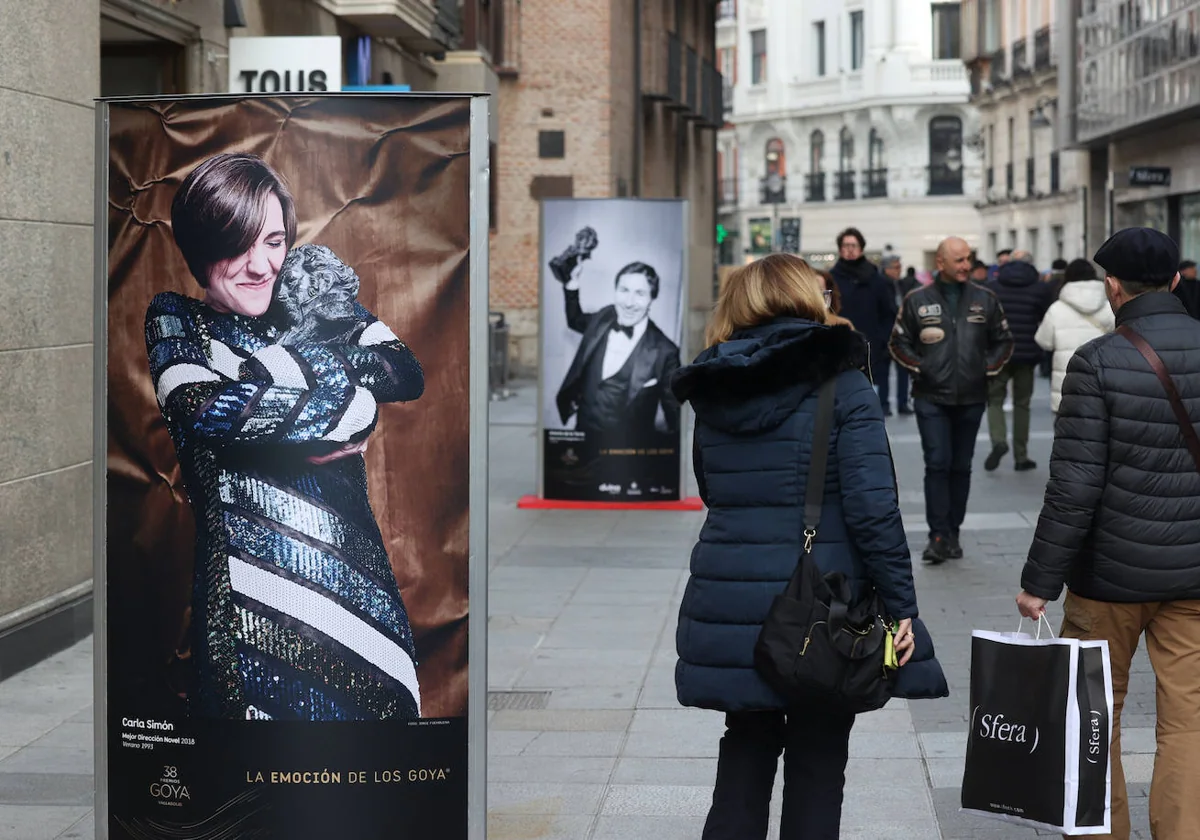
{"points": [[1160, 370], [814, 494]]}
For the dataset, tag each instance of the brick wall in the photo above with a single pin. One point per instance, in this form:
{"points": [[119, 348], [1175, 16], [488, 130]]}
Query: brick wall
{"points": [[562, 84], [575, 73]]}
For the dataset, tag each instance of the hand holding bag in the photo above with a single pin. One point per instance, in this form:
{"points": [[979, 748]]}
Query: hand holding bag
{"points": [[815, 644]]}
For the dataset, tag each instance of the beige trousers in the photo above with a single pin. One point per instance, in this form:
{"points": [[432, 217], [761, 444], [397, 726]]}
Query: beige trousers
{"points": [[1172, 631]]}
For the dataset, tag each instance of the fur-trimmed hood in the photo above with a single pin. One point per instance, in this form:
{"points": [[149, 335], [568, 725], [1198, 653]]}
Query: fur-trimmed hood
{"points": [[757, 379]]}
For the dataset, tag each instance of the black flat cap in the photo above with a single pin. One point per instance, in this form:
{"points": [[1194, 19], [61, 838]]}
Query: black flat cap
{"points": [[1139, 255]]}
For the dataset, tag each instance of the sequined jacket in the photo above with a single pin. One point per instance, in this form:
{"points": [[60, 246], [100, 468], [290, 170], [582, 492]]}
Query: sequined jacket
{"points": [[296, 613]]}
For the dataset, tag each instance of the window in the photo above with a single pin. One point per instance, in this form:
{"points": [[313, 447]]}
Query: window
{"points": [[856, 40], [876, 167], [1012, 239], [875, 159], [776, 172], [990, 31], [945, 156], [846, 150], [552, 144], [993, 243], [1056, 233], [946, 18], [1031, 238], [727, 63], [819, 45], [817, 150], [758, 57]]}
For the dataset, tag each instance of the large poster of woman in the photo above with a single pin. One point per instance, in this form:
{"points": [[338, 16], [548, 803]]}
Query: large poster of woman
{"points": [[289, 532], [613, 298]]}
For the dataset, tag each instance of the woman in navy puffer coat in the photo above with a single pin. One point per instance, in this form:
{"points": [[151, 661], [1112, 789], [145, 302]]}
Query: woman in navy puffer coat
{"points": [[754, 392]]}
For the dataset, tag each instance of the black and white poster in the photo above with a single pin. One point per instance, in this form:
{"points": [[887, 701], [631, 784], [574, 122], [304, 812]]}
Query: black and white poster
{"points": [[613, 301]]}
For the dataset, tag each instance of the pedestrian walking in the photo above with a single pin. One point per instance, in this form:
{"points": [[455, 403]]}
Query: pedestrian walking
{"points": [[1120, 525], [868, 302], [1188, 289], [902, 284], [1080, 314], [979, 272], [951, 335], [755, 395], [833, 301], [1025, 299]]}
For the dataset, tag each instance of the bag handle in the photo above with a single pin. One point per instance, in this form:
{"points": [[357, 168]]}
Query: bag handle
{"points": [[801, 584], [814, 493], [1160, 370]]}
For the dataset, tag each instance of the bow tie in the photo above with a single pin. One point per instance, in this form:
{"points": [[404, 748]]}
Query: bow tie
{"points": [[627, 330]]}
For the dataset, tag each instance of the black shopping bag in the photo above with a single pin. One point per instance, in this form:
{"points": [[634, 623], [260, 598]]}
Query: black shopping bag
{"points": [[1041, 725]]}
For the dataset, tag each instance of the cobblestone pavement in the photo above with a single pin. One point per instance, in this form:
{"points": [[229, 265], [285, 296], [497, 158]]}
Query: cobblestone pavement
{"points": [[587, 741]]}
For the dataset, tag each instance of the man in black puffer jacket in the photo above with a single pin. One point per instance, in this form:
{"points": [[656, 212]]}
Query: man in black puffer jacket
{"points": [[1025, 299], [1120, 526], [868, 302]]}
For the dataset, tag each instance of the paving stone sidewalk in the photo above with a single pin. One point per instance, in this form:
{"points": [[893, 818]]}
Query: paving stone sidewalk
{"points": [[586, 740]]}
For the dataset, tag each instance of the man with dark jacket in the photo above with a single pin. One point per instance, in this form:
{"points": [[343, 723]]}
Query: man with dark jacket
{"points": [[1188, 289], [951, 335], [868, 302], [1120, 525], [1025, 300]]}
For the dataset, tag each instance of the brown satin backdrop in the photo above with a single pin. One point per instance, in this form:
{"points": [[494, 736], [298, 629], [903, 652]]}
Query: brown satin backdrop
{"points": [[385, 183]]}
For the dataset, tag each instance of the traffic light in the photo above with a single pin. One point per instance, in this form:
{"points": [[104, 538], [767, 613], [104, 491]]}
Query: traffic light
{"points": [[721, 234]]}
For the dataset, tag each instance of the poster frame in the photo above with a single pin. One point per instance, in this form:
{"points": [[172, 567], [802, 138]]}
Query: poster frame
{"points": [[477, 551], [685, 209]]}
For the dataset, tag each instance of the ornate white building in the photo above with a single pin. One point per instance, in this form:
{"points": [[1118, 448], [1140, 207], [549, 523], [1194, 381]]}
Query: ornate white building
{"points": [[846, 112]]}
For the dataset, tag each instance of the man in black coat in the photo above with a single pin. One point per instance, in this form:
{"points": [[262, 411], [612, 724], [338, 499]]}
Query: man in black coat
{"points": [[1188, 289], [620, 376], [952, 336], [868, 302], [1120, 525], [1025, 299]]}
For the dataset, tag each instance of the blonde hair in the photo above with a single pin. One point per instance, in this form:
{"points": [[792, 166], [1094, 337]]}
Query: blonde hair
{"points": [[778, 285]]}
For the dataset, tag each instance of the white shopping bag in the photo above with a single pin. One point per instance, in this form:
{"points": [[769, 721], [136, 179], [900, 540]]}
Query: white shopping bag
{"points": [[1041, 726]]}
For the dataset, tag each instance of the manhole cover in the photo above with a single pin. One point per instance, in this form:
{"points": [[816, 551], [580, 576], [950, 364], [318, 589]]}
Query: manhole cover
{"points": [[498, 700]]}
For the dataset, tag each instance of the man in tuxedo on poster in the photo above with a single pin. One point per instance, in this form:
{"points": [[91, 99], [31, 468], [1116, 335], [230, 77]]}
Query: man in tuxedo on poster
{"points": [[618, 385]]}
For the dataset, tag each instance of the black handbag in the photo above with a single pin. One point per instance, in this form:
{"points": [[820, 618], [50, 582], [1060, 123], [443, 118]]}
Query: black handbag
{"points": [[815, 645]]}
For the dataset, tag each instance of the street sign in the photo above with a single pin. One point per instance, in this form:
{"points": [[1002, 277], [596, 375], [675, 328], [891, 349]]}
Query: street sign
{"points": [[1149, 176]]}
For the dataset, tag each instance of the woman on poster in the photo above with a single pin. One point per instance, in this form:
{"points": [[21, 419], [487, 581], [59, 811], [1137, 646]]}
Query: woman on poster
{"points": [[296, 613]]}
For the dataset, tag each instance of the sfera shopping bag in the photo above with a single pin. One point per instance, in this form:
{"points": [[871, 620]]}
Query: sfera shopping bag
{"points": [[1041, 725]]}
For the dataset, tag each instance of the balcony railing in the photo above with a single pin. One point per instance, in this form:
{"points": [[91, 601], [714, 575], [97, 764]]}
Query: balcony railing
{"points": [[998, 73], [845, 185], [814, 186], [729, 190], [875, 183], [1020, 58], [674, 69], [945, 180], [509, 26], [692, 81], [726, 10], [938, 72], [772, 190], [1030, 176], [712, 111], [1009, 180], [1054, 174], [656, 65], [1043, 49]]}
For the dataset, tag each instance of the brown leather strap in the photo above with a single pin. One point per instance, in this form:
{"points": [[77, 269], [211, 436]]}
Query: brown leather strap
{"points": [[1160, 370]]}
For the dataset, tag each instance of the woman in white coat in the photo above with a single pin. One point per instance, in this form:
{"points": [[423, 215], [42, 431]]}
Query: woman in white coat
{"points": [[1080, 314]]}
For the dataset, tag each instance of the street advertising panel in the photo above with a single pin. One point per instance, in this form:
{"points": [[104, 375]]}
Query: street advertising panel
{"points": [[613, 300], [291, 416]]}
